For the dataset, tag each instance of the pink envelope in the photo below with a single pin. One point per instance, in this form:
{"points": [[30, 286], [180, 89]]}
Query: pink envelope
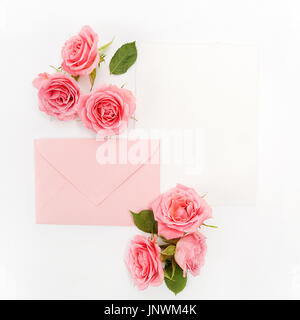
{"points": [[72, 187]]}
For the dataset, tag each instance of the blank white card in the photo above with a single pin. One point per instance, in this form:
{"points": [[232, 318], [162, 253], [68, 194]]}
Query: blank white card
{"points": [[201, 100]]}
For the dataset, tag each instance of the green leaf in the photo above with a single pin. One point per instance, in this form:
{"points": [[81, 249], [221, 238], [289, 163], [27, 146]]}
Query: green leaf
{"points": [[145, 221], [123, 59], [167, 276], [178, 281], [170, 268], [92, 76], [105, 46], [169, 251]]}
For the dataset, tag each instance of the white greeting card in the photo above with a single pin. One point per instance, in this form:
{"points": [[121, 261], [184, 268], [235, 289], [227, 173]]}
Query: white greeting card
{"points": [[202, 100]]}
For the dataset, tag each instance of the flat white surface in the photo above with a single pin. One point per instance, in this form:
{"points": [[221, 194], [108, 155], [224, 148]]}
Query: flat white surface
{"points": [[254, 253], [205, 96]]}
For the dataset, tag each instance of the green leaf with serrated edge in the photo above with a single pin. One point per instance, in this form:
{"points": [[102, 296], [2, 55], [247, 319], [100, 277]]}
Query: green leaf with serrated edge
{"points": [[145, 221], [169, 251], [105, 46], [178, 281], [123, 59], [92, 76]]}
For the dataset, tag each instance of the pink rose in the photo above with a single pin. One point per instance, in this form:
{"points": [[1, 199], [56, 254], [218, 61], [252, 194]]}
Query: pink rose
{"points": [[107, 109], [58, 95], [80, 53], [190, 253], [144, 263], [180, 210]]}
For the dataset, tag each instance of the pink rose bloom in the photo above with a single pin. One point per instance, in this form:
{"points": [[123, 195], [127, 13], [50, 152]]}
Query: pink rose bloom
{"points": [[190, 253], [180, 210], [144, 263], [58, 95], [80, 53], [107, 109]]}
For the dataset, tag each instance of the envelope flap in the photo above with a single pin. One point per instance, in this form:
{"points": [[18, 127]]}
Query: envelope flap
{"points": [[96, 168]]}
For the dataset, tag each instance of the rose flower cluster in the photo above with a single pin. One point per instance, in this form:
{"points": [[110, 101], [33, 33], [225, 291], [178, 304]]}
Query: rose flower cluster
{"points": [[108, 108], [175, 246]]}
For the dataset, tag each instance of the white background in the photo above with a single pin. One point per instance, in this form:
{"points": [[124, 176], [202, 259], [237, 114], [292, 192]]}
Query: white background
{"points": [[254, 253]]}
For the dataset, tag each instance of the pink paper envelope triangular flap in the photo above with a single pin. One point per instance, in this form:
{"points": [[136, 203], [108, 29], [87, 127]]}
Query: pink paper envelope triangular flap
{"points": [[96, 168]]}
